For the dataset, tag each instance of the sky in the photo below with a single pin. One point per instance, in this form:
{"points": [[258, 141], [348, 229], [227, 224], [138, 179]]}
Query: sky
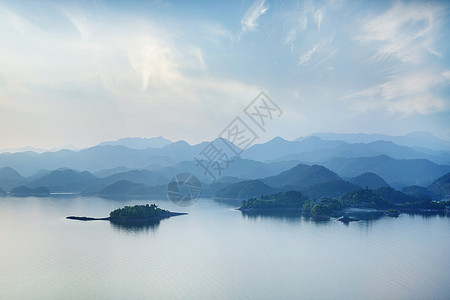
{"points": [[82, 72]]}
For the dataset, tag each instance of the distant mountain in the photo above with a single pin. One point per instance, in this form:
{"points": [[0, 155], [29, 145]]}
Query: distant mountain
{"points": [[118, 154], [91, 159], [10, 173], [128, 188], [22, 149], [2, 192], [209, 190], [441, 185], [10, 178], [369, 180], [278, 148], [393, 196], [369, 149], [390, 149], [420, 192], [109, 172], [245, 190], [65, 180], [38, 175], [301, 176], [396, 172], [238, 167], [314, 149], [25, 191], [139, 143], [413, 139], [121, 187], [137, 176], [329, 189]]}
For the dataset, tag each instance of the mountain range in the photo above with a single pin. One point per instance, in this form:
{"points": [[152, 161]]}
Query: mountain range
{"points": [[323, 164], [418, 140]]}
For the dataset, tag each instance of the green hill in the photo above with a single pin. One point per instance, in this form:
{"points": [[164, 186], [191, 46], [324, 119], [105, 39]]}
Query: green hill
{"points": [[138, 176], [369, 180], [140, 214], [420, 192], [65, 180], [441, 185], [291, 199], [397, 172], [125, 187], [364, 199], [24, 191], [332, 189], [393, 196], [301, 176], [10, 178], [245, 189]]}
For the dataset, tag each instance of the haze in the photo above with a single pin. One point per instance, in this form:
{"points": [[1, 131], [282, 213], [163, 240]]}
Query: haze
{"points": [[85, 72]]}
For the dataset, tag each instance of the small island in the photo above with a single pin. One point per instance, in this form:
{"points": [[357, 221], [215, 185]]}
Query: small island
{"points": [[134, 215], [386, 201], [395, 213], [292, 200]]}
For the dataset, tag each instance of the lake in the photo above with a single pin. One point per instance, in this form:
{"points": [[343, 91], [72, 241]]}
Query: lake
{"points": [[216, 252]]}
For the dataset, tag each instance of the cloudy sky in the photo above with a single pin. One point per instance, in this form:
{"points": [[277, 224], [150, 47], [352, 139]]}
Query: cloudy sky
{"points": [[84, 72]]}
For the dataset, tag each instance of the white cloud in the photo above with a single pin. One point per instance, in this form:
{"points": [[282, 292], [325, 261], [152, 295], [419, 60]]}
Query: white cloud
{"points": [[405, 94], [319, 53], [250, 20], [297, 19], [308, 54], [81, 22], [132, 77], [329, 54], [214, 32], [405, 31], [446, 74], [318, 15]]}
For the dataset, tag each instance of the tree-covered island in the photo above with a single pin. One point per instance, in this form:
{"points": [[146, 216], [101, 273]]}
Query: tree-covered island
{"points": [[137, 214], [325, 207]]}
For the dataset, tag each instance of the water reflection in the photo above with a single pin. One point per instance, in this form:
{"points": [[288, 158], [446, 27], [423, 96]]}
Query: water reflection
{"points": [[228, 202], [428, 214], [290, 216], [136, 228], [316, 221], [365, 216], [127, 198]]}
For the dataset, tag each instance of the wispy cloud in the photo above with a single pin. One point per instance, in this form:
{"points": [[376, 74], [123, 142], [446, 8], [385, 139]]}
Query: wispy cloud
{"points": [[249, 21], [446, 74], [318, 18], [136, 74], [403, 94], [131, 72], [308, 54], [404, 32], [319, 53], [406, 35], [301, 18]]}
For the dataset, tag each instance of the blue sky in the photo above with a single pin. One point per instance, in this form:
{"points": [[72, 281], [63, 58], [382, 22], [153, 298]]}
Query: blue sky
{"points": [[83, 72]]}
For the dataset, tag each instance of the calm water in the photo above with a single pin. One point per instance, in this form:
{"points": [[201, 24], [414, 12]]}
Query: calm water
{"points": [[216, 253]]}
